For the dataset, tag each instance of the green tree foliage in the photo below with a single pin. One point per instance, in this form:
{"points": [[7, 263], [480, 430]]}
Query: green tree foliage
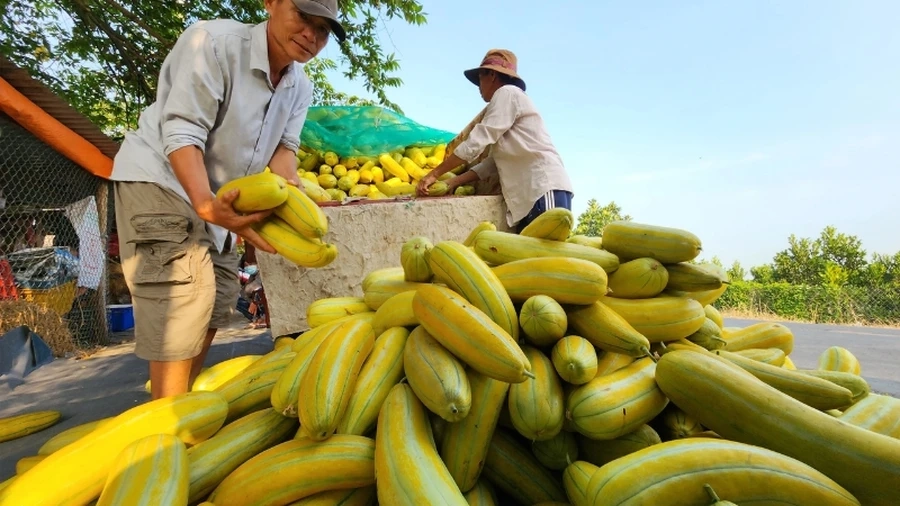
{"points": [[104, 56], [594, 218], [736, 272], [827, 279], [832, 258]]}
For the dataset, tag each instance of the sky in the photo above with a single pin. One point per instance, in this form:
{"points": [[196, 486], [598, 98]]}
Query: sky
{"points": [[741, 121]]}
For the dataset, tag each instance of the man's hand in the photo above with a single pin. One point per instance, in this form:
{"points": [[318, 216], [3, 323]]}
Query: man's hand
{"points": [[284, 163], [189, 168], [220, 211], [428, 180]]}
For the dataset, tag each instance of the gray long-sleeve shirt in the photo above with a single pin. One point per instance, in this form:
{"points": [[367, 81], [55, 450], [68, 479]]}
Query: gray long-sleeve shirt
{"points": [[215, 93]]}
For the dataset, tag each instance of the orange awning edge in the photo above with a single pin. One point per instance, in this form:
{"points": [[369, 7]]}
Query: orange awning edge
{"points": [[48, 129]]}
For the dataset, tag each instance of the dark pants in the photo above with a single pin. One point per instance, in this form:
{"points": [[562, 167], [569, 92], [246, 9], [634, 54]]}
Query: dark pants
{"points": [[550, 200]]}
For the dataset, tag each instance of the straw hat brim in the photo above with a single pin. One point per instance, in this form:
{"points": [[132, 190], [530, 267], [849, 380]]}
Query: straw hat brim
{"points": [[472, 74]]}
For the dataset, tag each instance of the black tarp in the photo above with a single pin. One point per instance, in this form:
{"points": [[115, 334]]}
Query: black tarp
{"points": [[21, 351]]}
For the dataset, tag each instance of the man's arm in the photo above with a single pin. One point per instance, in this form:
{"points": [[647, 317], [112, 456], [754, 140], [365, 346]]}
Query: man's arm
{"points": [[187, 117], [499, 116], [187, 163], [284, 161], [467, 177]]}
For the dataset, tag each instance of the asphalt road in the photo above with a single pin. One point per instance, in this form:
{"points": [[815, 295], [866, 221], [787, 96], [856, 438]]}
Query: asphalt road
{"points": [[878, 349]]}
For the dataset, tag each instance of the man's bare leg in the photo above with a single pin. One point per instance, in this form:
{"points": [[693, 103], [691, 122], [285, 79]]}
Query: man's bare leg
{"points": [[197, 362], [168, 379], [173, 378]]}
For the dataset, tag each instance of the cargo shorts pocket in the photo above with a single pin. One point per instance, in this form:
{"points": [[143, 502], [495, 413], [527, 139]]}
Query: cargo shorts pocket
{"points": [[162, 249]]}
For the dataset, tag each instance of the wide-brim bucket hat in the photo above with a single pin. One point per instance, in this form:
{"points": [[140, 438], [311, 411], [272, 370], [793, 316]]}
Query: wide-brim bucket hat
{"points": [[327, 9], [498, 60]]}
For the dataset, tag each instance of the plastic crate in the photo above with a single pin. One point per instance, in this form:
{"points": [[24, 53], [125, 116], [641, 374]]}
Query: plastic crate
{"points": [[120, 317], [58, 298]]}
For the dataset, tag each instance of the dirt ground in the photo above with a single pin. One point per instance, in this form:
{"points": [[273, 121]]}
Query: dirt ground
{"points": [[102, 385]]}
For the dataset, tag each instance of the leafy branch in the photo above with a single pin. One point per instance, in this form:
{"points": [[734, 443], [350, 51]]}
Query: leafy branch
{"points": [[104, 56]]}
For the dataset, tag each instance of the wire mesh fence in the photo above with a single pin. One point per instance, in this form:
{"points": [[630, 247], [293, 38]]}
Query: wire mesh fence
{"points": [[843, 305], [54, 230]]}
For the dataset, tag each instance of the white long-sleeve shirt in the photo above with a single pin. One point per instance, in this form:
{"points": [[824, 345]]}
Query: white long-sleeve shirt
{"points": [[215, 93], [522, 153]]}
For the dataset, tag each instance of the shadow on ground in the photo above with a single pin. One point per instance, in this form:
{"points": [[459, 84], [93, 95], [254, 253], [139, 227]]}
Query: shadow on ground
{"points": [[102, 385]]}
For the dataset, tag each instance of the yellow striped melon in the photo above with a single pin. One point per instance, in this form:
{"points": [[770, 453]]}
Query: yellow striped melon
{"points": [[380, 285], [410, 470], [537, 407], [713, 314], [498, 247], [436, 376], [709, 335], [257, 192], [217, 457], [616, 404], [688, 277], [553, 224], [69, 436], [607, 330], [465, 273], [740, 409], [86, 463], [660, 318], [151, 471], [543, 320], [556, 453], [586, 240], [329, 309], [676, 424], [216, 375], [297, 469], [761, 335], [414, 259], [575, 360], [565, 280], [876, 412], [629, 240], [746, 474], [14, 427], [576, 478], [380, 372], [470, 334], [609, 362], [331, 376], [464, 444], [837, 358], [482, 494], [772, 356], [640, 278], [600, 453], [517, 472], [484, 225]]}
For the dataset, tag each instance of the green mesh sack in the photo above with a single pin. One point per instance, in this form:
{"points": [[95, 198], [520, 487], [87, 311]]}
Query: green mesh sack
{"points": [[365, 131]]}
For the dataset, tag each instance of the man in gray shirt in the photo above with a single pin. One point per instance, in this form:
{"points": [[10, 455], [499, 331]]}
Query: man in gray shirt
{"points": [[231, 100]]}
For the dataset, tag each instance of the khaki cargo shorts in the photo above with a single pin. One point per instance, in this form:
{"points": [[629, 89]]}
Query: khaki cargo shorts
{"points": [[180, 285]]}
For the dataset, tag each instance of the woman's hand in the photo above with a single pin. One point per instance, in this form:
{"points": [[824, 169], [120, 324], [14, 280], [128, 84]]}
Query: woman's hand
{"points": [[220, 211], [428, 180]]}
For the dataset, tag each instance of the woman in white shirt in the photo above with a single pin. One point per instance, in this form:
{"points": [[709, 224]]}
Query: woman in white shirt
{"points": [[531, 172]]}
